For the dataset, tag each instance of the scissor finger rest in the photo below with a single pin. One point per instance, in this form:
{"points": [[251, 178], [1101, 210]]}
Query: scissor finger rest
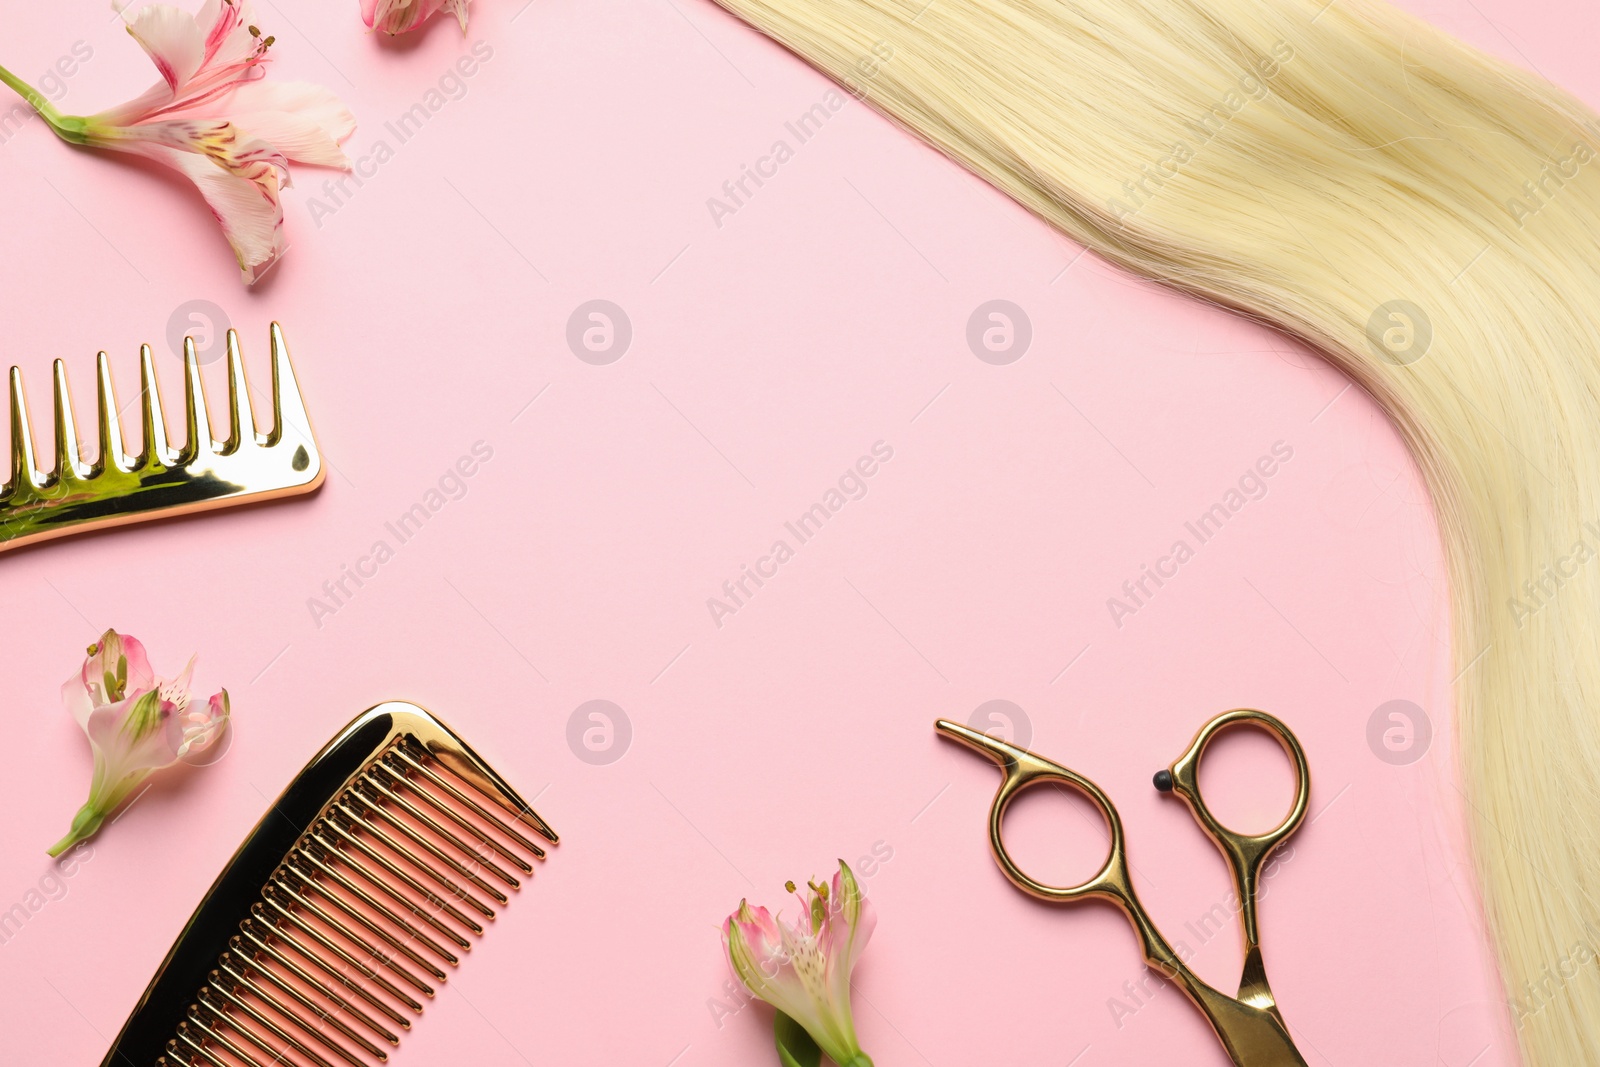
{"points": [[1022, 770]]}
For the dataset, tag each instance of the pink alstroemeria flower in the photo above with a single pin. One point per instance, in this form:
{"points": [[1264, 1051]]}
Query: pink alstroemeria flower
{"points": [[402, 16], [214, 120], [803, 968], [136, 723]]}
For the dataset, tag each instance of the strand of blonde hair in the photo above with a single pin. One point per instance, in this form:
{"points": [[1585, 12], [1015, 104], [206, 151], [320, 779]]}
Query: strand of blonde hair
{"points": [[1423, 215]]}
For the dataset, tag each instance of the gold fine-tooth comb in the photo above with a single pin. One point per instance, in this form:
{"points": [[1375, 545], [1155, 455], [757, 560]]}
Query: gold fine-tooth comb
{"points": [[338, 915], [117, 488]]}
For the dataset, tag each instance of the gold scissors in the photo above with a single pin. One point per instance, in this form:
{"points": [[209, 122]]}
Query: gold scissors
{"points": [[1249, 1026]]}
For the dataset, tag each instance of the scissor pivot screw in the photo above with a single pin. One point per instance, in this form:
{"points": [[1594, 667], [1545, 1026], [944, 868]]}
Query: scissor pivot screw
{"points": [[1163, 780]]}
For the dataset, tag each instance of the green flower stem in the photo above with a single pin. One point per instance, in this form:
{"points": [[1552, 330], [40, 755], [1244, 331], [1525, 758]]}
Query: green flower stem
{"points": [[860, 1059], [85, 825], [31, 95], [67, 127]]}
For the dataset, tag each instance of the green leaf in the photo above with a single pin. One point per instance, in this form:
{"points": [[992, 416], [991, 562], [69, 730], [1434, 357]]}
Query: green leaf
{"points": [[795, 1047]]}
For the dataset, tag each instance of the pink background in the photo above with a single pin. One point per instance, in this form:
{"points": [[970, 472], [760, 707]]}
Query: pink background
{"points": [[429, 312]]}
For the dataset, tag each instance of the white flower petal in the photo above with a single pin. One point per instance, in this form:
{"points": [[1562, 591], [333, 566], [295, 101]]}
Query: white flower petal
{"points": [[172, 38], [305, 122], [249, 211]]}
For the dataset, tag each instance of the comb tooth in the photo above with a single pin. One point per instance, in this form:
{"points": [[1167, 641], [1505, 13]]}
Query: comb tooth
{"points": [[290, 877], [434, 802], [220, 1019], [241, 418], [281, 914], [69, 464], [412, 837], [482, 780], [112, 455], [197, 1014], [238, 977], [240, 971], [197, 422], [456, 891], [179, 1056], [197, 1048], [467, 766], [282, 885], [411, 834], [477, 854], [157, 450], [305, 857], [334, 854], [282, 888], [258, 944], [258, 914], [233, 1000], [472, 805], [289, 416], [427, 894], [24, 466]]}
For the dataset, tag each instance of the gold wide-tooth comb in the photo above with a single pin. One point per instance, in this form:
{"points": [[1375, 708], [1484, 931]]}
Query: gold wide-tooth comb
{"points": [[341, 911], [75, 495]]}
